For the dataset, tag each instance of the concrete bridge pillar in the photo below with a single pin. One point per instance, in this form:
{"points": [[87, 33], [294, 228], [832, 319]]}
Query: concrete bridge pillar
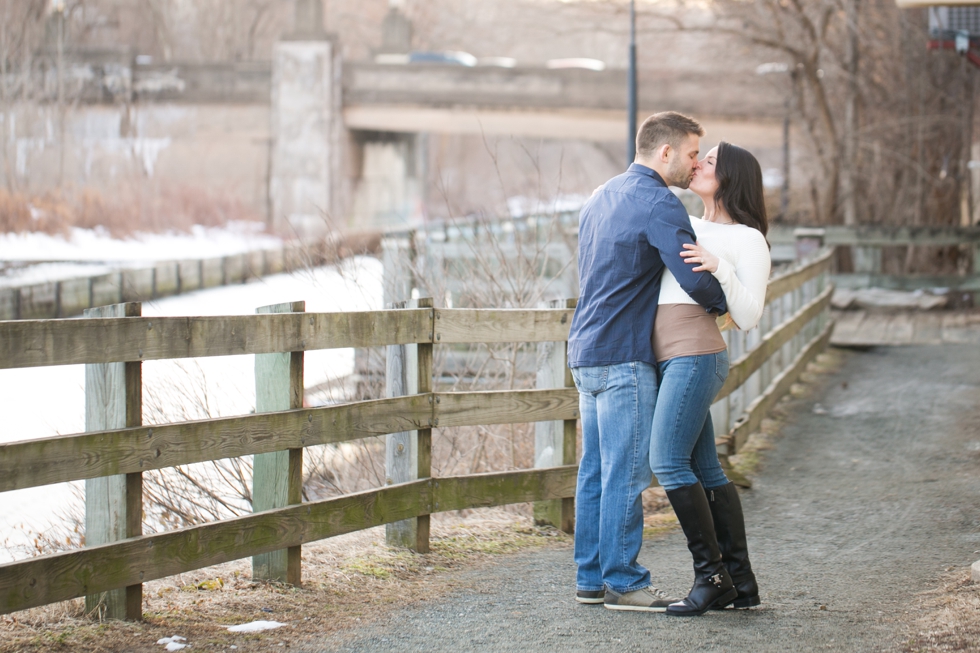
{"points": [[307, 126], [396, 31], [388, 191]]}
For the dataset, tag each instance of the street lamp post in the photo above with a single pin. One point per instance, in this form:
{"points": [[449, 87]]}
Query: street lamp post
{"points": [[631, 107], [768, 69]]}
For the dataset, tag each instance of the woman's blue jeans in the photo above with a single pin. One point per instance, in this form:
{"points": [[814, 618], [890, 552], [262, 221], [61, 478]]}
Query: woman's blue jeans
{"points": [[682, 446], [616, 403]]}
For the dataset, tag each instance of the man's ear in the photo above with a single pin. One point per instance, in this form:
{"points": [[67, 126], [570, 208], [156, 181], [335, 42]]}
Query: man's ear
{"points": [[664, 152]]}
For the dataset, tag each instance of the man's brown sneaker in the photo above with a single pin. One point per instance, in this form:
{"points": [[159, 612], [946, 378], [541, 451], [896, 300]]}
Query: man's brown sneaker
{"points": [[648, 599], [590, 597]]}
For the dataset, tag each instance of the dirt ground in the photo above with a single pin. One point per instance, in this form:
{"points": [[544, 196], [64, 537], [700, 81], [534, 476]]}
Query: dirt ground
{"points": [[863, 523]]}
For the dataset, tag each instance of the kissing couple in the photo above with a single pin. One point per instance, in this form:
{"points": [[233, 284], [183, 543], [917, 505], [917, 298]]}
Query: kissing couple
{"points": [[648, 359]]}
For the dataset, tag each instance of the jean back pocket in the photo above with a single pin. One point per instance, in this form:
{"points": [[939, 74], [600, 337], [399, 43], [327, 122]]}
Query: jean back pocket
{"points": [[591, 380]]}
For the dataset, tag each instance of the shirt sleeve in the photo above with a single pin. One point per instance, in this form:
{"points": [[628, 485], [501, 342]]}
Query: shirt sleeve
{"points": [[745, 283], [670, 227]]}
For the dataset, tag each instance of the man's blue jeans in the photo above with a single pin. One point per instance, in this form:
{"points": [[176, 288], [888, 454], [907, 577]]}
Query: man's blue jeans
{"points": [[616, 403], [682, 447]]}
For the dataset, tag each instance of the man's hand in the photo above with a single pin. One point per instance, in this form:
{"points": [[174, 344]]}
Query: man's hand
{"points": [[697, 255]]}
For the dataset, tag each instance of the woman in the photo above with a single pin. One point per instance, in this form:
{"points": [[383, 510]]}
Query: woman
{"points": [[692, 361]]}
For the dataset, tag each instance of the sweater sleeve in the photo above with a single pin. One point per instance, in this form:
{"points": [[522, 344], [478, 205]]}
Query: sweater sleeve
{"points": [[745, 284]]}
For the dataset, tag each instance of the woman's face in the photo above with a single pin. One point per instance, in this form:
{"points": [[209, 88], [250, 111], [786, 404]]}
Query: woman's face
{"points": [[704, 182]]}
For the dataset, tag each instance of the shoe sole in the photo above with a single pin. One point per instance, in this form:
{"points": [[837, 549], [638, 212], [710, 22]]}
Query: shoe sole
{"points": [[741, 604], [634, 608], [720, 604], [590, 601]]}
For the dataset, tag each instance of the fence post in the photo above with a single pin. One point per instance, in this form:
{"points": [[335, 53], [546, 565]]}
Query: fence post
{"points": [[114, 504], [408, 455], [277, 477], [554, 442]]}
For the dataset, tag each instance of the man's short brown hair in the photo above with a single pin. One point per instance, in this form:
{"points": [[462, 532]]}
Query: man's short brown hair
{"points": [[665, 128]]}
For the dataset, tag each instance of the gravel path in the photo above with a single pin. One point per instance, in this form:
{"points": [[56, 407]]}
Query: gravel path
{"points": [[872, 492]]}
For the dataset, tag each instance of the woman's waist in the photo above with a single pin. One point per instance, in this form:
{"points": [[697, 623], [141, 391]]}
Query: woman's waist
{"points": [[682, 329]]}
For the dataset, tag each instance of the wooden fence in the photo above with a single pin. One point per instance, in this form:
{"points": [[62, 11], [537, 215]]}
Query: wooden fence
{"points": [[114, 452], [866, 243]]}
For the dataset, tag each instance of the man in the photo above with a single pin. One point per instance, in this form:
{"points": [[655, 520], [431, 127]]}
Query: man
{"points": [[629, 230]]}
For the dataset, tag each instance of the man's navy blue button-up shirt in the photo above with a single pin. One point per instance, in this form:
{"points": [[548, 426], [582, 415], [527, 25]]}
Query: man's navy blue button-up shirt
{"points": [[629, 229]]}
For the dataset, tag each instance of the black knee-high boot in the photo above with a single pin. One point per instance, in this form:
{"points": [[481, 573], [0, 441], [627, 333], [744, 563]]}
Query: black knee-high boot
{"points": [[712, 584], [726, 510]]}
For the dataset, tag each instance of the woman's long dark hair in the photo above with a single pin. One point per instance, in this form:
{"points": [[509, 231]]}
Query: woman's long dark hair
{"points": [[740, 187]]}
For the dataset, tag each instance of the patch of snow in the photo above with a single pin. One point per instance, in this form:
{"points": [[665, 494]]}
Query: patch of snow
{"points": [[255, 627], [43, 272], [97, 245], [173, 643]]}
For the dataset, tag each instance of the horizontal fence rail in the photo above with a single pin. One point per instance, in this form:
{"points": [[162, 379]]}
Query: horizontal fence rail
{"points": [[32, 343], [284, 523], [879, 235], [31, 463]]}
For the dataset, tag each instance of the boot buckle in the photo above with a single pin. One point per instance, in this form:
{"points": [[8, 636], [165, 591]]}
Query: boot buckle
{"points": [[717, 579]]}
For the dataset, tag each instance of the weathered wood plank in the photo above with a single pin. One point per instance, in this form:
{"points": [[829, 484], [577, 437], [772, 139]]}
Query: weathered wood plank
{"points": [[62, 576], [30, 463], [899, 329], [454, 325], [29, 343], [277, 478], [751, 420], [114, 504], [402, 449], [505, 407], [423, 459], [848, 326], [794, 278], [882, 235], [554, 441], [747, 364], [961, 328]]}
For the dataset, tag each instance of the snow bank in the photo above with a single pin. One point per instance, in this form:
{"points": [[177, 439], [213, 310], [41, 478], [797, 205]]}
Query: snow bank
{"points": [[173, 643], [98, 245], [255, 627]]}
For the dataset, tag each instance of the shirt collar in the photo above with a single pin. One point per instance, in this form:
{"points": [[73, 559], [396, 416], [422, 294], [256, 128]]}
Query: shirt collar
{"points": [[649, 172]]}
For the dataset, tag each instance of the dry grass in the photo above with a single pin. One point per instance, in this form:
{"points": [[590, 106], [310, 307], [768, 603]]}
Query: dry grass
{"points": [[948, 616], [347, 581], [161, 208]]}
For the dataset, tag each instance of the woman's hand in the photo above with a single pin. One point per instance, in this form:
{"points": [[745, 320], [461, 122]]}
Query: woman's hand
{"points": [[697, 255]]}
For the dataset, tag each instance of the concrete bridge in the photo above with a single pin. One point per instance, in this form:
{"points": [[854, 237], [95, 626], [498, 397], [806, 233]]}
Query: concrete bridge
{"points": [[311, 135], [349, 137]]}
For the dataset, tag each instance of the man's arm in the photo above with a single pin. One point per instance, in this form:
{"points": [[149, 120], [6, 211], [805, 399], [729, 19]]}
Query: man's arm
{"points": [[669, 230]]}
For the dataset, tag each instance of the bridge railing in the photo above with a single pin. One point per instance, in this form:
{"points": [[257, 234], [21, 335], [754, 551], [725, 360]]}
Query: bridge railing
{"points": [[115, 451], [867, 243]]}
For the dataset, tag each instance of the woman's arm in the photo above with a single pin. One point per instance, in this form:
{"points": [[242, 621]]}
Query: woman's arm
{"points": [[744, 285]]}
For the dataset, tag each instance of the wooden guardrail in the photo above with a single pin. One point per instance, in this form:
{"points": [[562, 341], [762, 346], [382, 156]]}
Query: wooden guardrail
{"points": [[116, 450], [866, 243]]}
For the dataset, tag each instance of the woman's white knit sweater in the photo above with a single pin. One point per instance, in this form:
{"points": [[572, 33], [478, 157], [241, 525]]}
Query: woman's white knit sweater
{"points": [[743, 270]]}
